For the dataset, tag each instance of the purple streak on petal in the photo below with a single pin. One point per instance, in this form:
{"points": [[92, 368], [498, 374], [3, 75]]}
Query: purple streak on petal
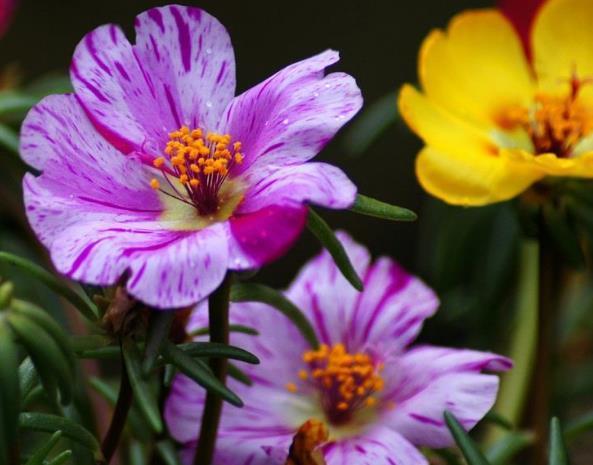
{"points": [[221, 72], [426, 420], [172, 105], [184, 38], [84, 255], [318, 317], [156, 16]]}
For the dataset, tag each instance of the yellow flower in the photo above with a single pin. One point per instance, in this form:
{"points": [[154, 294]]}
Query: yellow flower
{"points": [[493, 122]]}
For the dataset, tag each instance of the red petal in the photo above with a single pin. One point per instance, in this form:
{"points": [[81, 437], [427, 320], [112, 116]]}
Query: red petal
{"points": [[521, 13]]}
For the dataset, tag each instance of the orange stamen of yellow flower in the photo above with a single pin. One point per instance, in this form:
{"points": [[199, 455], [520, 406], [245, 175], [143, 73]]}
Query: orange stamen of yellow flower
{"points": [[347, 381], [554, 123]]}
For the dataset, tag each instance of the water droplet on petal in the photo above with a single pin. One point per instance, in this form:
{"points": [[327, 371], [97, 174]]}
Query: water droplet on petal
{"points": [[285, 121], [209, 104], [208, 50], [315, 94]]}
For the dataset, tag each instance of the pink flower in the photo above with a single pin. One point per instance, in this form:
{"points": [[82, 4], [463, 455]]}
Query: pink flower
{"points": [[154, 170], [380, 398]]}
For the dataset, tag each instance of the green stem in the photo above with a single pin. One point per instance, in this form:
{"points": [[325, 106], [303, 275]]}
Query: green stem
{"points": [[548, 285], [523, 346], [218, 314], [120, 415]]}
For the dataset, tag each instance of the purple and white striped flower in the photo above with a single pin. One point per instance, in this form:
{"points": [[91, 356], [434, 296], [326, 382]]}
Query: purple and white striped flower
{"points": [[379, 398], [154, 170]]}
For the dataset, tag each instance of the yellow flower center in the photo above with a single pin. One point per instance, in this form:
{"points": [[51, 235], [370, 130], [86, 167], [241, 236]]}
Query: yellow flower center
{"points": [[554, 123], [196, 165], [346, 382]]}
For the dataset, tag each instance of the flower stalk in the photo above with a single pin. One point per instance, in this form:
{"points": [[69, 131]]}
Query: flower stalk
{"points": [[120, 414], [548, 287], [523, 346], [218, 316]]}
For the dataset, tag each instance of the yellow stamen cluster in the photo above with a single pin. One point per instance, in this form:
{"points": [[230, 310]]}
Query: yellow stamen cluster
{"points": [[347, 381], [199, 161], [555, 124]]}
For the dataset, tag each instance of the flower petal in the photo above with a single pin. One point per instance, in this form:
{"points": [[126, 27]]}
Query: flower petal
{"points": [[378, 446], [94, 210], [561, 38], [430, 380], [167, 269], [289, 118], [386, 316], [280, 414], [192, 50], [391, 310], [325, 296], [262, 236], [231, 450], [477, 68], [317, 183], [462, 164], [137, 94]]}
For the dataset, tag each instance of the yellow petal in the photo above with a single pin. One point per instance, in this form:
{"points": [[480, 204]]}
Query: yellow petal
{"points": [[562, 40], [551, 165], [462, 165], [477, 68], [479, 181]]}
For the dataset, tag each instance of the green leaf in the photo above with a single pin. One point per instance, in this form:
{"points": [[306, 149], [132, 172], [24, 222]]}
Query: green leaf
{"points": [[95, 346], [330, 242], [13, 102], [251, 292], [47, 357], [368, 206], [199, 372], [6, 292], [10, 399], [47, 423], [498, 419], [28, 377], [170, 372], [167, 451], [137, 454], [239, 375], [503, 450], [368, 126], [37, 394], [579, 426], [232, 328], [80, 301], [61, 458], [42, 452], [49, 325], [158, 331], [467, 446], [9, 139], [558, 453], [144, 396], [217, 350]]}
